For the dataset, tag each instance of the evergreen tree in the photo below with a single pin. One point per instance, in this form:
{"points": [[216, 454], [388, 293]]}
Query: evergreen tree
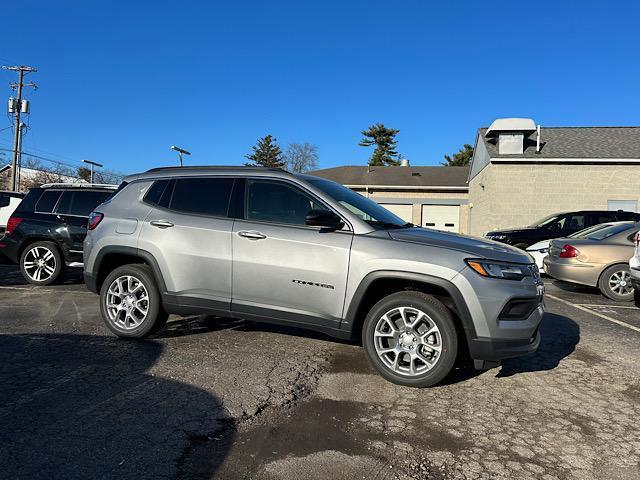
{"points": [[385, 141], [266, 153], [460, 159]]}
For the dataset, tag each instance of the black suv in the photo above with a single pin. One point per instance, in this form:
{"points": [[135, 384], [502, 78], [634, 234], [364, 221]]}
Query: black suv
{"points": [[559, 225], [45, 233]]}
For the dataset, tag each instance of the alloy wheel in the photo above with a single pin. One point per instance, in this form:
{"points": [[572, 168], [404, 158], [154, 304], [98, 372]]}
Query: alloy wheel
{"points": [[39, 263], [620, 283], [408, 341], [127, 302]]}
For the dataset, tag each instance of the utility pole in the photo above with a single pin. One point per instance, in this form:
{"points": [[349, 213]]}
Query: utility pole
{"points": [[17, 107], [93, 164]]}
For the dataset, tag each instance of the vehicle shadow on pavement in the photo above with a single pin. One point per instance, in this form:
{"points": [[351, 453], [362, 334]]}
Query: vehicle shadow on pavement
{"points": [[559, 337], [78, 407], [10, 276]]}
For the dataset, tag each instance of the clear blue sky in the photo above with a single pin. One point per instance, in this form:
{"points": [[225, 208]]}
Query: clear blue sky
{"points": [[122, 81]]}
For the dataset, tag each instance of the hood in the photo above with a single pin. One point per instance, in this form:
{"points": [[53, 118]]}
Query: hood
{"points": [[539, 245], [509, 231], [474, 246]]}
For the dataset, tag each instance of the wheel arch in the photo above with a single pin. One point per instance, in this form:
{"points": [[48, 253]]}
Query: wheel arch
{"points": [[607, 267], [112, 257], [30, 240], [378, 284]]}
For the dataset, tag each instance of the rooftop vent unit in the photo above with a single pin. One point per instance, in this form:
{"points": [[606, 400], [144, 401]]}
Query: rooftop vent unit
{"points": [[404, 162], [510, 133]]}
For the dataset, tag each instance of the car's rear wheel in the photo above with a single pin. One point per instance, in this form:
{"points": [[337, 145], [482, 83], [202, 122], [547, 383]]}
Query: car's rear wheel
{"points": [[615, 283], [41, 263], [130, 302], [410, 339]]}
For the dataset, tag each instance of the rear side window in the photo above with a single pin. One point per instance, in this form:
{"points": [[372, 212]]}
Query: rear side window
{"points": [[155, 193], [47, 201], [80, 203], [599, 218], [626, 216], [203, 196]]}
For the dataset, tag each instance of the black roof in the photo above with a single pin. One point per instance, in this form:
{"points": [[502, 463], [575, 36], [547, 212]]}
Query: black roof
{"points": [[575, 142], [396, 176]]}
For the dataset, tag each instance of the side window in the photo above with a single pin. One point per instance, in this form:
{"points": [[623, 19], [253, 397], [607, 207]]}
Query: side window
{"points": [[626, 216], [277, 202], [155, 193], [5, 200], [598, 218], [574, 222], [203, 196], [80, 203], [47, 201]]}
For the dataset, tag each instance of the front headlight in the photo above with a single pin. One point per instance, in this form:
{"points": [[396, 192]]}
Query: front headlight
{"points": [[506, 271], [496, 237]]}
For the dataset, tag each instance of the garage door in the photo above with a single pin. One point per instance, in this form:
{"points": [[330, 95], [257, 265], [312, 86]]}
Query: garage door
{"points": [[402, 210], [441, 217]]}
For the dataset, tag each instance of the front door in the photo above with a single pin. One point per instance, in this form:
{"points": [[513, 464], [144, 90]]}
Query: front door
{"points": [[283, 268]]}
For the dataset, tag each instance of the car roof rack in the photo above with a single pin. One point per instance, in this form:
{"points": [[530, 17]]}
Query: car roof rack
{"points": [[79, 185], [215, 168]]}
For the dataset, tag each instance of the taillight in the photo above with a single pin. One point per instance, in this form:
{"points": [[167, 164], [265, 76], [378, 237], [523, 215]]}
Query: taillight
{"points": [[94, 220], [569, 252], [12, 223], [636, 238]]}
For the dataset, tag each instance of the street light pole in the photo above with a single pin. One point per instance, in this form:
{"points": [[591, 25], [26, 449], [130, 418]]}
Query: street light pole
{"points": [[93, 164], [180, 153]]}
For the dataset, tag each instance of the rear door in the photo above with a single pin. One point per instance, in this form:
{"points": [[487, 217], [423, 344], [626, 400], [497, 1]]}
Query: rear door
{"points": [[283, 268], [73, 209], [188, 232]]}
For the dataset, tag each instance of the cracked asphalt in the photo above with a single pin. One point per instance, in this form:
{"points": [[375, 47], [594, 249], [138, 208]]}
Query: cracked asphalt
{"points": [[218, 398]]}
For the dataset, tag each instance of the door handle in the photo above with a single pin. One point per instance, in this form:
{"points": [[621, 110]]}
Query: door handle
{"points": [[161, 223], [252, 235]]}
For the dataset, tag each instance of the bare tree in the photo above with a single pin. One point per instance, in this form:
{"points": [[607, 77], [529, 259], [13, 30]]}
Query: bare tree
{"points": [[301, 157]]}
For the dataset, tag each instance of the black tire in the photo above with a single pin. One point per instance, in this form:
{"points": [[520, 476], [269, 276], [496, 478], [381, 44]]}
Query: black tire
{"points": [[442, 318], [155, 318], [605, 287], [636, 297], [29, 273]]}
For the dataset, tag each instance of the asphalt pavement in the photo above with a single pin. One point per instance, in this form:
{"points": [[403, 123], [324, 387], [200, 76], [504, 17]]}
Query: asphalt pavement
{"points": [[218, 398]]}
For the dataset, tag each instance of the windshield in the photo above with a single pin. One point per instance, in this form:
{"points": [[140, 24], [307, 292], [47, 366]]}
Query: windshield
{"points": [[609, 231], [545, 220], [366, 209]]}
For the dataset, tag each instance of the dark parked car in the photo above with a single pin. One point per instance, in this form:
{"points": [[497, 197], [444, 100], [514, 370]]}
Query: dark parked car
{"points": [[559, 225], [44, 234]]}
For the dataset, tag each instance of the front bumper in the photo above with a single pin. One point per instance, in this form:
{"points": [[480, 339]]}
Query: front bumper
{"points": [[495, 350]]}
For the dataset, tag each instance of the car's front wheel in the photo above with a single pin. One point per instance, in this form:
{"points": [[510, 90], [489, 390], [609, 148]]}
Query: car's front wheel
{"points": [[130, 302], [410, 338], [615, 283]]}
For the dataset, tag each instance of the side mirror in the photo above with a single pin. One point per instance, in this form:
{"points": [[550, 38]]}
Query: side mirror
{"points": [[323, 218]]}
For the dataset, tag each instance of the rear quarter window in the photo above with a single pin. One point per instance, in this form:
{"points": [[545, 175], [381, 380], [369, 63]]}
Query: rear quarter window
{"points": [[81, 203], [47, 201]]}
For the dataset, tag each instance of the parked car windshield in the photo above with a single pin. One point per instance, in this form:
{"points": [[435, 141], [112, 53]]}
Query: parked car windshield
{"points": [[366, 209], [609, 231]]}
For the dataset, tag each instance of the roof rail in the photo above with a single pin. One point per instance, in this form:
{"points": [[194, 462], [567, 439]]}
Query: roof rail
{"points": [[214, 167], [79, 185]]}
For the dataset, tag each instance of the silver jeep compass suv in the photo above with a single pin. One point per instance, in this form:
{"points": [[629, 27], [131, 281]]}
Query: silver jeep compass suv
{"points": [[299, 250]]}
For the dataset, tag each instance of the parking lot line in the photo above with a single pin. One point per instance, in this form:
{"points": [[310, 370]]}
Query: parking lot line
{"points": [[606, 306], [593, 312]]}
